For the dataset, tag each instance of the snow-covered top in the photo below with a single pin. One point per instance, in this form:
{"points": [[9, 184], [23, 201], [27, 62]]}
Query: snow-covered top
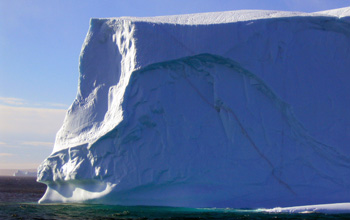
{"points": [[340, 12], [134, 40], [232, 16]]}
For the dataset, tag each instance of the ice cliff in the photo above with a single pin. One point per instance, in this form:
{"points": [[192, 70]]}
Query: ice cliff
{"points": [[228, 109]]}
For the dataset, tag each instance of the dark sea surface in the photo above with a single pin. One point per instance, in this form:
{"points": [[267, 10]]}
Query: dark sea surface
{"points": [[19, 196]]}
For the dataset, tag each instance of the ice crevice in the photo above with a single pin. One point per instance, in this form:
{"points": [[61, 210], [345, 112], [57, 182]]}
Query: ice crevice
{"points": [[243, 130]]}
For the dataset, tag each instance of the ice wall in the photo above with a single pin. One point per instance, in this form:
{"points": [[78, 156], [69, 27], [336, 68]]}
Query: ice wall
{"points": [[230, 109]]}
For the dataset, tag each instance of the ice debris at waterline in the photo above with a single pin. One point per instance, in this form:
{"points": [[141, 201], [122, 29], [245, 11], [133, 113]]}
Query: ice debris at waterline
{"points": [[242, 109], [335, 208]]}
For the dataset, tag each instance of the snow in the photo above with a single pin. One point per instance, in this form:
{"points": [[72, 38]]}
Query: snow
{"points": [[335, 208], [340, 13], [227, 109]]}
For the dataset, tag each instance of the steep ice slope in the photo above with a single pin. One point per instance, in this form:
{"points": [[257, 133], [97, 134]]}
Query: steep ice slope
{"points": [[231, 109]]}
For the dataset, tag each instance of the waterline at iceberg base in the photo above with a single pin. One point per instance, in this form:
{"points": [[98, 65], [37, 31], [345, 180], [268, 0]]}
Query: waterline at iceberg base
{"points": [[241, 109]]}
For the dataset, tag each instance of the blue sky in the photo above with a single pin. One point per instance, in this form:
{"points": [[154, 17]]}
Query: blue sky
{"points": [[40, 42]]}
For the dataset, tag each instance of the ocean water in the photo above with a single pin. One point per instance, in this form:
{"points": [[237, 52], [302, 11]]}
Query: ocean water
{"points": [[19, 196]]}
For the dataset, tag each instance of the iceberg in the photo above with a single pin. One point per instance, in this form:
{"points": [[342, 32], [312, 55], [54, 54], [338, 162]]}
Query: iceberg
{"points": [[241, 109], [27, 173]]}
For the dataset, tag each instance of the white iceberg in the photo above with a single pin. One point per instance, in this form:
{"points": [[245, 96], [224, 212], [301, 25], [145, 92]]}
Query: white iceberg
{"points": [[336, 208], [241, 109], [27, 173]]}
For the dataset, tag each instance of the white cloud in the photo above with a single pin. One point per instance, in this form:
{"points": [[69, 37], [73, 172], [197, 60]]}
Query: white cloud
{"points": [[38, 144], [11, 101], [5, 155], [27, 134], [58, 105], [18, 165], [19, 121]]}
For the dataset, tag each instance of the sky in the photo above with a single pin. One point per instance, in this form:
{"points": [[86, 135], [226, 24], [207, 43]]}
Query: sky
{"points": [[40, 43]]}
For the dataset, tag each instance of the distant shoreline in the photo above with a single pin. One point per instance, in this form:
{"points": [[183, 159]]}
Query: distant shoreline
{"points": [[17, 177], [10, 172]]}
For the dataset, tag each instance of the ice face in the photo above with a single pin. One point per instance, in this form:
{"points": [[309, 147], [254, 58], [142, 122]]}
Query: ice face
{"points": [[244, 113]]}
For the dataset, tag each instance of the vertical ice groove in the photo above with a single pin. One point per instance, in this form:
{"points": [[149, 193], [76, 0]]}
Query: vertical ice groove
{"points": [[122, 35]]}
